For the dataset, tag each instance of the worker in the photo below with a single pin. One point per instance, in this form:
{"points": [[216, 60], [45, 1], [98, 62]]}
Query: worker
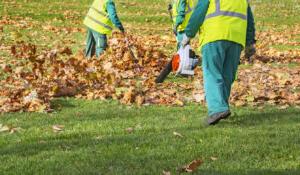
{"points": [[101, 18], [181, 13], [226, 28]]}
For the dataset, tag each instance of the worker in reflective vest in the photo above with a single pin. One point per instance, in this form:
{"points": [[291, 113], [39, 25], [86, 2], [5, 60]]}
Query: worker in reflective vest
{"points": [[101, 18], [181, 13], [226, 28]]}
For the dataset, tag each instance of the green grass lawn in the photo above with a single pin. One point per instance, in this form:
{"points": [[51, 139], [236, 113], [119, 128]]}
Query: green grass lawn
{"points": [[95, 140]]}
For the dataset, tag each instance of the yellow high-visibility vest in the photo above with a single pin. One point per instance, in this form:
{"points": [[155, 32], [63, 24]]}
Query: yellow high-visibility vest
{"points": [[97, 18], [190, 5], [225, 20]]}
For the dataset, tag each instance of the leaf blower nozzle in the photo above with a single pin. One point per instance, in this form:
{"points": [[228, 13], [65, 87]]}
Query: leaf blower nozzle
{"points": [[183, 63]]}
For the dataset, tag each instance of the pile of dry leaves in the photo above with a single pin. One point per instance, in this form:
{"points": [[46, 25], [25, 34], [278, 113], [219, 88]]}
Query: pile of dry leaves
{"points": [[258, 85], [277, 46], [33, 78]]}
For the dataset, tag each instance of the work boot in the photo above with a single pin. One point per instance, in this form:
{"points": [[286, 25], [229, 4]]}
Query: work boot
{"points": [[215, 118]]}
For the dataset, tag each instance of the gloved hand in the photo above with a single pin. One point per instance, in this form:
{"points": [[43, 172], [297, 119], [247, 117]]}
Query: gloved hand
{"points": [[250, 51], [185, 40]]}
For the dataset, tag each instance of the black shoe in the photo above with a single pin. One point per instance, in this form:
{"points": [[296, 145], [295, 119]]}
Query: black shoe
{"points": [[227, 115], [214, 119]]}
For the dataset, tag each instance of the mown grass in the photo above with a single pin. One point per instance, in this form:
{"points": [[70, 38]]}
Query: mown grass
{"points": [[95, 140]]}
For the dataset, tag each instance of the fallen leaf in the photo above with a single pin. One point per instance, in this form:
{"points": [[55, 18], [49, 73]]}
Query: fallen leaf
{"points": [[284, 107], [177, 134], [214, 158], [179, 102], [129, 130], [191, 167], [99, 137], [65, 92], [58, 128], [199, 97], [139, 100], [13, 130], [66, 50], [4, 128], [166, 172]]}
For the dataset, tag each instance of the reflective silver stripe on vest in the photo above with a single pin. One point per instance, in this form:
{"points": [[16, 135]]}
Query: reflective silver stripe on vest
{"points": [[218, 12], [100, 23], [190, 9], [101, 13]]}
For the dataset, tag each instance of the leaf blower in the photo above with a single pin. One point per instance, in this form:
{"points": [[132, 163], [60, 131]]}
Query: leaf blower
{"points": [[183, 63]]}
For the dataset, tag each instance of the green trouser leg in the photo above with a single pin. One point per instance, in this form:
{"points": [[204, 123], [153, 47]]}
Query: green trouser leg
{"points": [[220, 62], [179, 38], [96, 43]]}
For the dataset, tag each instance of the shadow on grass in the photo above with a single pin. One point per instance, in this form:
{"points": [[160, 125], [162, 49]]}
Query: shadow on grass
{"points": [[116, 152], [59, 103], [265, 117], [158, 148]]}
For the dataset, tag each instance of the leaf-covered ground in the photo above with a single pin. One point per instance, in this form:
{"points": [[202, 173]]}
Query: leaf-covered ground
{"points": [[34, 76], [38, 63], [32, 79]]}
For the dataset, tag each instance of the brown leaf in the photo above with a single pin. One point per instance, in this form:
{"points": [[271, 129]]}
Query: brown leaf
{"points": [[129, 130], [65, 92], [66, 50], [36, 105], [139, 100], [129, 96], [6, 68], [191, 167]]}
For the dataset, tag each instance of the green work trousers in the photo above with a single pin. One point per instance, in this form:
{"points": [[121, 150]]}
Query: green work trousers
{"points": [[220, 63], [179, 38], [96, 43]]}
